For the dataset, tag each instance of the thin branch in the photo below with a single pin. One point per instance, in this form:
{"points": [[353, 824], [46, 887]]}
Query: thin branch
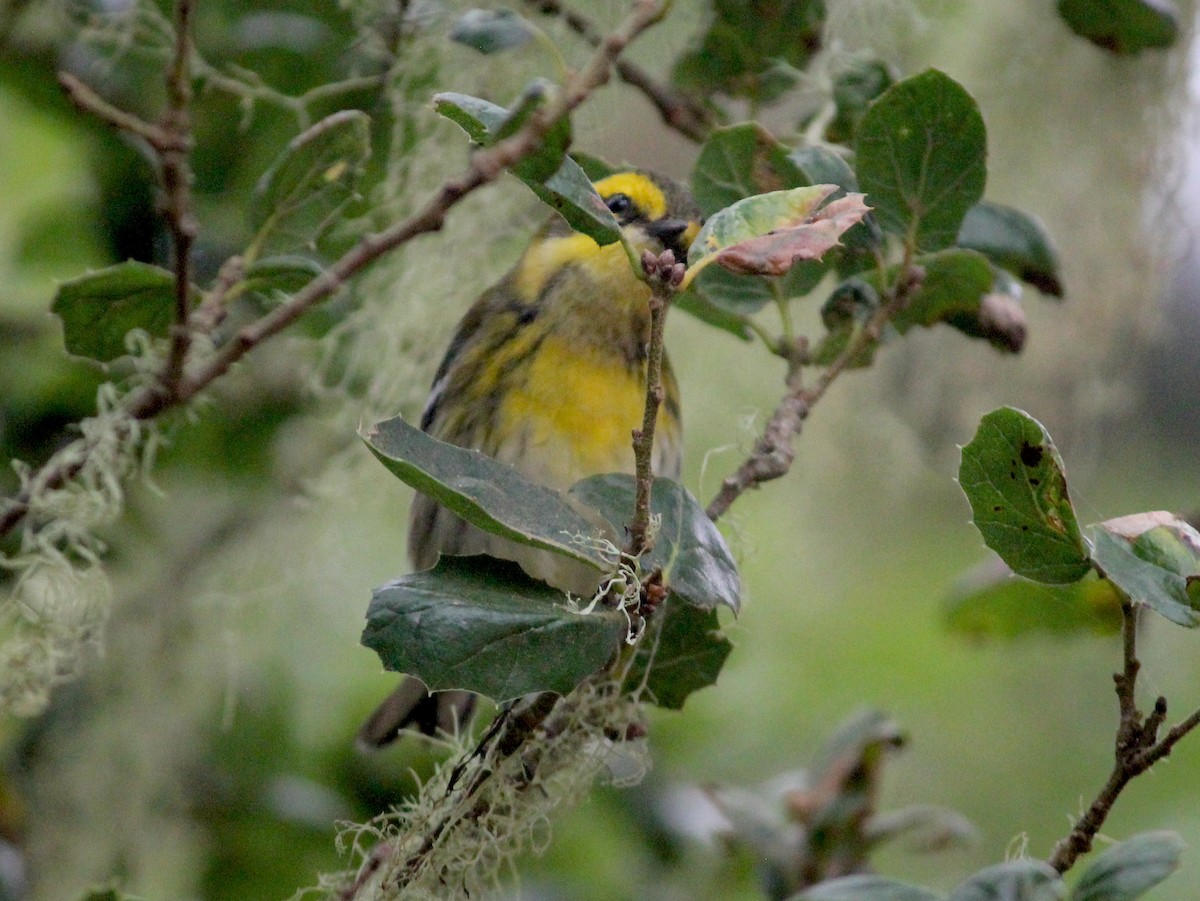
{"points": [[1137, 748], [774, 453], [87, 100], [177, 190], [663, 275], [485, 166], [677, 109]]}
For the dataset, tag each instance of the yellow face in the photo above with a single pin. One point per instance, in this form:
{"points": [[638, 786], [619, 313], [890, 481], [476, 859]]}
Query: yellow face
{"points": [[637, 199]]}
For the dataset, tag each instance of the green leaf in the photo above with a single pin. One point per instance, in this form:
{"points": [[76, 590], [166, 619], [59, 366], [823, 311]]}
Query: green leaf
{"points": [[738, 162], [1014, 241], [694, 558], [484, 492], [857, 81], [994, 603], [920, 158], [594, 167], [1015, 880], [100, 308], [865, 888], [571, 193], [481, 624], [1153, 558], [1123, 26], [1129, 870], [287, 274], [753, 48], [724, 298], [108, 894], [821, 166], [300, 196], [845, 313], [954, 284], [492, 31], [1013, 477], [683, 650], [566, 189], [479, 118]]}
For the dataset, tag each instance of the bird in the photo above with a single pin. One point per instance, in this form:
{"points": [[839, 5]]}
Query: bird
{"points": [[546, 372]]}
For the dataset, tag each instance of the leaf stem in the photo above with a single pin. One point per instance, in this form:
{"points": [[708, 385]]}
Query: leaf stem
{"points": [[643, 438]]}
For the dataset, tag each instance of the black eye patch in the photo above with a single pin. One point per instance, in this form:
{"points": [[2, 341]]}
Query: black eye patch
{"points": [[620, 205]]}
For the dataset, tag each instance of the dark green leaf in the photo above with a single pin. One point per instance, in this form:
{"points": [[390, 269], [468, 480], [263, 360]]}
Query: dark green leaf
{"points": [[571, 193], [1129, 870], [1123, 26], [1014, 241], [920, 158], [481, 624], [753, 48], [865, 888], [821, 166], [286, 274], [684, 651], [695, 561], [299, 197], [594, 167], [484, 492], [1016, 880], [737, 296], [100, 308], [703, 308], [856, 83], [845, 313], [1013, 477], [108, 894], [994, 603], [738, 162], [491, 31], [567, 190], [1151, 557], [954, 284]]}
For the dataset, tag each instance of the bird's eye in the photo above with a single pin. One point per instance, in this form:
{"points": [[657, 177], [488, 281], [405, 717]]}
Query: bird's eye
{"points": [[619, 204]]}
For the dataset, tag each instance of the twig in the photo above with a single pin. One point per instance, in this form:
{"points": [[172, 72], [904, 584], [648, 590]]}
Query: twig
{"points": [[177, 191], [677, 109], [774, 453], [485, 166], [1137, 748], [663, 275]]}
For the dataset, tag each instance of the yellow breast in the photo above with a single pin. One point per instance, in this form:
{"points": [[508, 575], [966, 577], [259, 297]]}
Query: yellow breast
{"points": [[573, 416]]}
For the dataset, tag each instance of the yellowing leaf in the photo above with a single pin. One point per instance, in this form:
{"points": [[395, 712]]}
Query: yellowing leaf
{"points": [[768, 233]]}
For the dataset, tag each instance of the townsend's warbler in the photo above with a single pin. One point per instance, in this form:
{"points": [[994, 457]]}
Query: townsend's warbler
{"points": [[547, 372]]}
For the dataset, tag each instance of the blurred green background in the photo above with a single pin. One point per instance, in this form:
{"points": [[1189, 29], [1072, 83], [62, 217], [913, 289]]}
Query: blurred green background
{"points": [[207, 749]]}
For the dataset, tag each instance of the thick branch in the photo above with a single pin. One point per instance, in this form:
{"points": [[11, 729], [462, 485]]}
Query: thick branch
{"points": [[1136, 749], [677, 109], [486, 165]]}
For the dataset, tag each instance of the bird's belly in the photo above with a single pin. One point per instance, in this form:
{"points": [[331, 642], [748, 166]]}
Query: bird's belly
{"points": [[572, 417]]}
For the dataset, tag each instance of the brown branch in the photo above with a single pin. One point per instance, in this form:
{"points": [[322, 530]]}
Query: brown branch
{"points": [[677, 109], [1137, 748], [485, 166], [664, 276], [773, 453], [177, 191]]}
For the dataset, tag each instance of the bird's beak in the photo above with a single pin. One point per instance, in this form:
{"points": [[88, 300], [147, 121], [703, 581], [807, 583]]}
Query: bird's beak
{"points": [[674, 234]]}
